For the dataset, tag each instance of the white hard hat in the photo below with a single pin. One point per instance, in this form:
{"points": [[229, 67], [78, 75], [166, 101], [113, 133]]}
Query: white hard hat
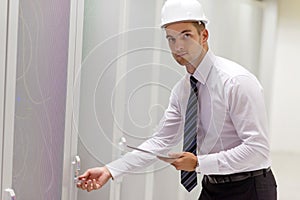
{"points": [[182, 10]]}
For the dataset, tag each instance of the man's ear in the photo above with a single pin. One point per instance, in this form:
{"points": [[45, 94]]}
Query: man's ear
{"points": [[204, 35]]}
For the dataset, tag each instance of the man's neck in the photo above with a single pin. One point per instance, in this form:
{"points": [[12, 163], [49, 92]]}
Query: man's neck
{"points": [[191, 67]]}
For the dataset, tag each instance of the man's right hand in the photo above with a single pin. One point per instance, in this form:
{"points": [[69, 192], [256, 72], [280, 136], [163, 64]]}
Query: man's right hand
{"points": [[94, 178]]}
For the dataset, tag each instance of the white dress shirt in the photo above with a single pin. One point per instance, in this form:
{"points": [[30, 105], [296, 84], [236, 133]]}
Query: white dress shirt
{"points": [[232, 122]]}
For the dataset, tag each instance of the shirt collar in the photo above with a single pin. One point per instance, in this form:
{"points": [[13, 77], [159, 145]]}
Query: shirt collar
{"points": [[203, 69]]}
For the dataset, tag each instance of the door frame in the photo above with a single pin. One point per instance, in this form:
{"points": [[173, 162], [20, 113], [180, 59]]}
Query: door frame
{"points": [[3, 35], [9, 18], [69, 190]]}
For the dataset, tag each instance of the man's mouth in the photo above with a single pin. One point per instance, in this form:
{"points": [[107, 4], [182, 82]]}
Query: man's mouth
{"points": [[181, 54]]}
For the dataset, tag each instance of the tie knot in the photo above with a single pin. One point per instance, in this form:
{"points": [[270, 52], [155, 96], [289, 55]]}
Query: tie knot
{"points": [[194, 82]]}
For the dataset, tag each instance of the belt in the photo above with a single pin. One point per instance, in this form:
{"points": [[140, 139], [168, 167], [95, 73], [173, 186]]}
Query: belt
{"points": [[216, 179]]}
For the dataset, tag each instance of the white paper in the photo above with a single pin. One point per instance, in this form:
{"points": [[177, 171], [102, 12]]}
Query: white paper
{"points": [[152, 153]]}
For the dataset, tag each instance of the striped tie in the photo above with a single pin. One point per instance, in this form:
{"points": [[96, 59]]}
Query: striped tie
{"points": [[189, 179]]}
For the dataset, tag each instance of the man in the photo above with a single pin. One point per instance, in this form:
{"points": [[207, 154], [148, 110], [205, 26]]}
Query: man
{"points": [[217, 107]]}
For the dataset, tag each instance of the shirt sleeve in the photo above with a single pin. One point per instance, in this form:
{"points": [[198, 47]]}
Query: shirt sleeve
{"points": [[168, 134], [248, 114]]}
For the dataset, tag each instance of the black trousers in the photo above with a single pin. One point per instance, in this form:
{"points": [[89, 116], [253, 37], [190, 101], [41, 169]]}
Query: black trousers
{"points": [[262, 187]]}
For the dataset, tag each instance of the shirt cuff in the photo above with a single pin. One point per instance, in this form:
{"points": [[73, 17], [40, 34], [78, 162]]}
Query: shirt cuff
{"points": [[208, 164], [114, 169]]}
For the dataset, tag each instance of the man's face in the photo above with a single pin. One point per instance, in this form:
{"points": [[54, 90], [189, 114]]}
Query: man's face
{"points": [[184, 42]]}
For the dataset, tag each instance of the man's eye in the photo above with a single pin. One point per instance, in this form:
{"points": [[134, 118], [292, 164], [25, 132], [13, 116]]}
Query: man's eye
{"points": [[171, 40], [186, 36]]}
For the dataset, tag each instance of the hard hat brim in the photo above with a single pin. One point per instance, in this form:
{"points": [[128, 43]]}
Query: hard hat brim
{"points": [[184, 21]]}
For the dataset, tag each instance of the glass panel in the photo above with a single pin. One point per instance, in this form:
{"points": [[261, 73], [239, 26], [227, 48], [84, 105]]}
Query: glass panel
{"points": [[40, 99], [126, 78], [101, 21]]}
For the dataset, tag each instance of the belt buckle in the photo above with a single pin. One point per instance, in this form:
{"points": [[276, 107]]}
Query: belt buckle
{"points": [[211, 179], [226, 179], [221, 180], [218, 180]]}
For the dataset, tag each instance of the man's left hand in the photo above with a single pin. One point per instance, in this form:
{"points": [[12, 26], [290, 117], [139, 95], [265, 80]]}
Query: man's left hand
{"points": [[187, 162]]}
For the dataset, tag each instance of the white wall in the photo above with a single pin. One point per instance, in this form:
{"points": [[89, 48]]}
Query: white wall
{"points": [[235, 30], [285, 107]]}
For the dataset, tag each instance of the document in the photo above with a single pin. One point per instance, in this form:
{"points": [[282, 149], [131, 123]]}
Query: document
{"points": [[167, 158]]}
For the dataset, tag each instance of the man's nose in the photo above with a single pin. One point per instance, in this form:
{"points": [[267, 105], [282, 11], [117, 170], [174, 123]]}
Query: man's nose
{"points": [[178, 46]]}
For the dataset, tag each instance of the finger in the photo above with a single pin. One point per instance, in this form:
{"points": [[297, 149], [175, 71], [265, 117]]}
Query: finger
{"points": [[80, 183], [83, 186], [168, 160], [86, 174], [95, 185], [175, 154], [89, 185], [162, 158], [177, 161], [175, 166]]}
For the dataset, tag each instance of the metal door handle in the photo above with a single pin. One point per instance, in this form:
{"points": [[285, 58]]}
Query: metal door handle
{"points": [[76, 164], [11, 194], [122, 146]]}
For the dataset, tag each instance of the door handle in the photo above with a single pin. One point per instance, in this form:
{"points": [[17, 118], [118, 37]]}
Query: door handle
{"points": [[76, 165], [10, 194], [122, 146]]}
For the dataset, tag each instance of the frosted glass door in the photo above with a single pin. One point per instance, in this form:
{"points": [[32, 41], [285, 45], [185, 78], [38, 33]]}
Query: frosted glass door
{"points": [[36, 148], [125, 81]]}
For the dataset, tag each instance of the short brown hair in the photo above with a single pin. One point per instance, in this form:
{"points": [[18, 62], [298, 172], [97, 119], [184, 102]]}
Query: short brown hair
{"points": [[200, 26]]}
